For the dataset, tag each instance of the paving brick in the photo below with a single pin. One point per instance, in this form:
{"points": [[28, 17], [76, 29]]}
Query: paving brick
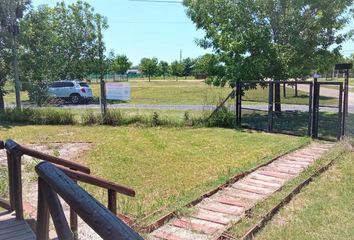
{"points": [[215, 217], [275, 174], [299, 163], [175, 233], [243, 194], [267, 178], [190, 225], [293, 166], [221, 208], [231, 201], [299, 159], [280, 169], [166, 235], [251, 189], [259, 183]]}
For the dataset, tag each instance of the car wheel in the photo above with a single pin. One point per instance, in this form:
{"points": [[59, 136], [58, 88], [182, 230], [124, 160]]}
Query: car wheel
{"points": [[75, 98]]}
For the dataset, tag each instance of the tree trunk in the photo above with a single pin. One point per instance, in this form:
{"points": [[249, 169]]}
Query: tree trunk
{"points": [[149, 78], [2, 103], [277, 97]]}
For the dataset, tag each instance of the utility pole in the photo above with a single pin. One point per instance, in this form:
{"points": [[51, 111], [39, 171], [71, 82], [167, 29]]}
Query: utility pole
{"points": [[101, 63], [15, 13]]}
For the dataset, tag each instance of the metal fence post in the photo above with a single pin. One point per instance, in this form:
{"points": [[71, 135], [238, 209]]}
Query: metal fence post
{"points": [[270, 107], [309, 127], [238, 103], [340, 133], [315, 108]]}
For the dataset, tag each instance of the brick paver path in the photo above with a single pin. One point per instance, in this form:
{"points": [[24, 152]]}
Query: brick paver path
{"points": [[211, 217]]}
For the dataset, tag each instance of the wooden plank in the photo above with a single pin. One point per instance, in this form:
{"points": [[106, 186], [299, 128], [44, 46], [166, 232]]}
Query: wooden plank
{"points": [[12, 229]]}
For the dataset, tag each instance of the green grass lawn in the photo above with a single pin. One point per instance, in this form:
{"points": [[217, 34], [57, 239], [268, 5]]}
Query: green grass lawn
{"points": [[324, 210], [168, 167], [190, 92]]}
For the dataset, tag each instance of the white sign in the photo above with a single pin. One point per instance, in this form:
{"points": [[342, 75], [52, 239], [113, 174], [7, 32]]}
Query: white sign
{"points": [[118, 91]]}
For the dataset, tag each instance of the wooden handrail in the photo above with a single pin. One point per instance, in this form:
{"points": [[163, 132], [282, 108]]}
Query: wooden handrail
{"points": [[11, 145], [96, 181], [100, 219]]}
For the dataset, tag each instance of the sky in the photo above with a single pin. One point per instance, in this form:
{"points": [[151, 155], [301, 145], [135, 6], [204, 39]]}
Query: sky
{"points": [[150, 29]]}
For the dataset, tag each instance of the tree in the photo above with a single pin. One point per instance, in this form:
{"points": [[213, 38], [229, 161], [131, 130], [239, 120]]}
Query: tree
{"points": [[149, 66], [163, 69], [121, 64], [188, 64], [270, 39], [209, 66], [177, 69], [60, 42]]}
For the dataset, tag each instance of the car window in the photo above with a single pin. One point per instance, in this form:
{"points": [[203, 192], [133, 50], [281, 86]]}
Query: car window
{"points": [[55, 84], [83, 84], [68, 84]]}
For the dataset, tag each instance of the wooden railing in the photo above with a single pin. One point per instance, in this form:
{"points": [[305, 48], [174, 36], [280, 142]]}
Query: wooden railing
{"points": [[74, 171]]}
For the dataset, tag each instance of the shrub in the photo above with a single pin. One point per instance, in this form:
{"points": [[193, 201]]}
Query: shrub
{"points": [[55, 117], [155, 121], [15, 115], [113, 117], [91, 118], [38, 116], [222, 118]]}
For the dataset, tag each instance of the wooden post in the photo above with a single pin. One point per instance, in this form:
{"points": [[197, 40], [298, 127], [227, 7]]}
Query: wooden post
{"points": [[42, 228], [74, 222], [11, 180], [16, 159], [57, 213], [270, 107], [112, 201], [284, 90]]}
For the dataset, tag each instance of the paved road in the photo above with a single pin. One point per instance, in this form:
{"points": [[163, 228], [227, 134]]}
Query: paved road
{"points": [[190, 107], [187, 107]]}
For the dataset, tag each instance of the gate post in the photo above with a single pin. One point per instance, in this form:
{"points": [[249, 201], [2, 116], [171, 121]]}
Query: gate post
{"points": [[238, 103], [270, 107], [315, 108], [309, 125]]}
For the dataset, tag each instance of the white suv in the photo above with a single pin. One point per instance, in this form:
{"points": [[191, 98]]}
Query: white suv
{"points": [[74, 91]]}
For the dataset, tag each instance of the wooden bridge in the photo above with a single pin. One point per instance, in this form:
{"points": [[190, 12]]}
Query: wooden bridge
{"points": [[59, 177]]}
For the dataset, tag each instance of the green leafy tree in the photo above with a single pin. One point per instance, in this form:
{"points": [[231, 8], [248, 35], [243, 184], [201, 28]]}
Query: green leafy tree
{"points": [[177, 69], [60, 42], [210, 67], [149, 66], [121, 64], [188, 64], [270, 39], [163, 69]]}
